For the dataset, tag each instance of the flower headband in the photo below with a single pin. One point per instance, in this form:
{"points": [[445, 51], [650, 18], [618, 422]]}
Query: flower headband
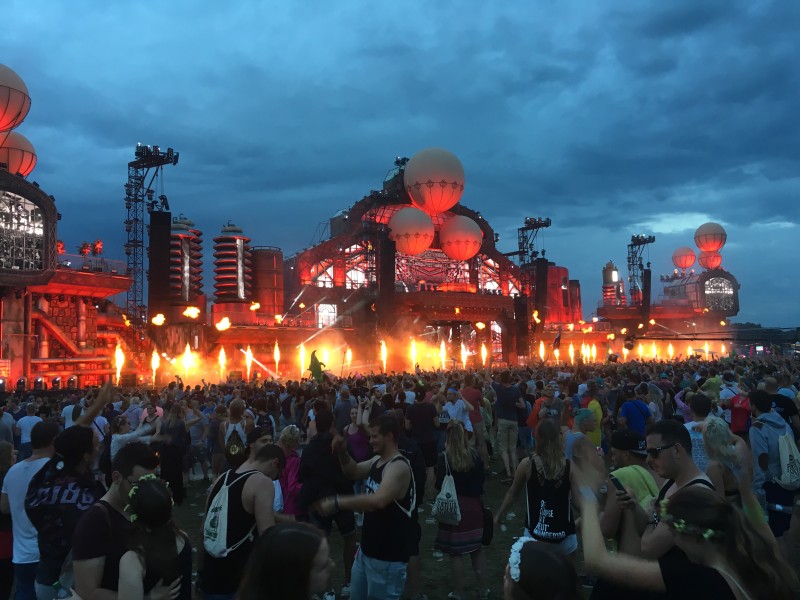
{"points": [[515, 558], [681, 526], [135, 490]]}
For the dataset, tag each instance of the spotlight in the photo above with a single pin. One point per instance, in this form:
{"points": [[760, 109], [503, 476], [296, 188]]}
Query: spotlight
{"points": [[55, 384]]}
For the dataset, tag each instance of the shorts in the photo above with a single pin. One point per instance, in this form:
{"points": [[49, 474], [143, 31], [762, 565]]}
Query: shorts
{"points": [[507, 435], [567, 546], [480, 434], [779, 521], [345, 522], [374, 579], [429, 453]]}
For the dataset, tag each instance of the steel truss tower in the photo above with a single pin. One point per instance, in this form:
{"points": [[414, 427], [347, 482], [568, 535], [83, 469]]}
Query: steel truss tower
{"points": [[140, 196]]}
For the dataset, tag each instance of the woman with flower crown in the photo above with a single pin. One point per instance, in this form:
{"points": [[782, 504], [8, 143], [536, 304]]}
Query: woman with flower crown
{"points": [[728, 553], [159, 551]]}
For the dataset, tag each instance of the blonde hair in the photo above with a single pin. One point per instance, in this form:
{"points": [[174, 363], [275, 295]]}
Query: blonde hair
{"points": [[549, 448], [458, 453], [719, 443], [290, 437]]}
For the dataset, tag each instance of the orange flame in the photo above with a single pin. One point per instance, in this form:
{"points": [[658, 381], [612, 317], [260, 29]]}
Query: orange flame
{"points": [[119, 361], [192, 312], [248, 361], [223, 324], [442, 355], [594, 353], [158, 320], [276, 354], [484, 354], [348, 357], [302, 360], [222, 360], [413, 353], [383, 355], [670, 351], [541, 350], [463, 356], [188, 360], [155, 360]]}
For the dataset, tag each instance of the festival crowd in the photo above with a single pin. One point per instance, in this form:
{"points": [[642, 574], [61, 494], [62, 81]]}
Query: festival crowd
{"points": [[639, 480]]}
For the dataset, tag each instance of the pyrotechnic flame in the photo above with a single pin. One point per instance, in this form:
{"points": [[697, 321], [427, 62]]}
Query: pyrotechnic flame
{"points": [[541, 350], [223, 324], [536, 318], [641, 350], [571, 354], [624, 354], [413, 353], [442, 355], [188, 360], [484, 354], [276, 354], [254, 306], [158, 320], [706, 349], [556, 353], [463, 356], [348, 357], [248, 361], [302, 354], [119, 360], [192, 312], [383, 355], [155, 360], [670, 351], [689, 351], [222, 360], [594, 353], [722, 349], [326, 357], [654, 351]]}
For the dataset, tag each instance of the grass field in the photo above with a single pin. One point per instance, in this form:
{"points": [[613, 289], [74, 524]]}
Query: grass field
{"points": [[435, 571]]}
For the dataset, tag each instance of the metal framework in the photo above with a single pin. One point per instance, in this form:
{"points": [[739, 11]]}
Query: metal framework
{"points": [[635, 266], [526, 240], [140, 195]]}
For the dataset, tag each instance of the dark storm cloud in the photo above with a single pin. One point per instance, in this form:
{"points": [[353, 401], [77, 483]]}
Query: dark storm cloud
{"points": [[609, 118]]}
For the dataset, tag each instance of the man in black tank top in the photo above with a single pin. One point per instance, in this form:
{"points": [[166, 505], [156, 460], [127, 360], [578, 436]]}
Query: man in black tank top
{"points": [[669, 455], [380, 567]]}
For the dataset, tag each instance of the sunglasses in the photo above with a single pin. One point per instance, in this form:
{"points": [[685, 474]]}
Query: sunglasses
{"points": [[654, 452]]}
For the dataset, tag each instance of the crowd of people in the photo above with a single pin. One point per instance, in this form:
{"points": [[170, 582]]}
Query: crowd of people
{"points": [[670, 480]]}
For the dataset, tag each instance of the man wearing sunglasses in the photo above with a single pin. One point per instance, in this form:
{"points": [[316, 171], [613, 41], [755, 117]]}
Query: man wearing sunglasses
{"points": [[669, 455]]}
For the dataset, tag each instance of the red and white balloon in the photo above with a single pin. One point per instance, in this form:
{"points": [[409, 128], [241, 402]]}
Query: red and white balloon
{"points": [[411, 230], [710, 237], [434, 180], [683, 257], [460, 237], [710, 260], [18, 154]]}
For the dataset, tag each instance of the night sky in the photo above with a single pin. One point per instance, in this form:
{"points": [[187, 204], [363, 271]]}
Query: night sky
{"points": [[611, 118]]}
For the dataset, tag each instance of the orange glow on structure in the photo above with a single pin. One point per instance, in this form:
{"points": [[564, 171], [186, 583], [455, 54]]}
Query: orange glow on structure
{"points": [[192, 312], [302, 356], [155, 360], [222, 360], [484, 354], [223, 324], [276, 355], [384, 354], [158, 320], [119, 361]]}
